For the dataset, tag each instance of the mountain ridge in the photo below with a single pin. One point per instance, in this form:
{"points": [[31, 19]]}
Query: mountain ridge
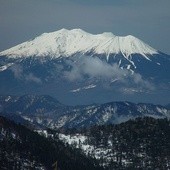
{"points": [[55, 116], [68, 42]]}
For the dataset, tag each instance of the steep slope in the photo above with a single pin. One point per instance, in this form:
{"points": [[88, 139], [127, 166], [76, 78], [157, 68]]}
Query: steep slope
{"points": [[21, 148]]}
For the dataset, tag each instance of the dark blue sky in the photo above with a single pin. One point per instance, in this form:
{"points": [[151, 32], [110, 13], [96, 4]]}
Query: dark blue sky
{"points": [[148, 20]]}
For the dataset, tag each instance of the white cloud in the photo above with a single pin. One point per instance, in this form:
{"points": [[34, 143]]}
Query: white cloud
{"points": [[17, 70], [31, 77], [93, 67]]}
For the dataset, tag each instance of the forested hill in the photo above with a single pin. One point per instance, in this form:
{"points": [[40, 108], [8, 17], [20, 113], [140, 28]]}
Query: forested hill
{"points": [[142, 144], [21, 148]]}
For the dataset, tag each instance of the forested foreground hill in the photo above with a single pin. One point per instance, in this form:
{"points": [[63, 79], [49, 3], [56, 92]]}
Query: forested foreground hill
{"points": [[142, 144], [21, 148]]}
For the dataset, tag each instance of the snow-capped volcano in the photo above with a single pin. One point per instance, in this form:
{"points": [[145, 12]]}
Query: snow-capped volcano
{"points": [[68, 42], [81, 68]]}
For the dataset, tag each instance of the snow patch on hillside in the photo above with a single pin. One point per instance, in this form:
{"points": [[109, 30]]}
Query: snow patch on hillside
{"points": [[91, 86]]}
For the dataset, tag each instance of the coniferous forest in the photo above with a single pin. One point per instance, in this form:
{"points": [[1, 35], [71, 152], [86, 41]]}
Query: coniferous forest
{"points": [[21, 148], [143, 143]]}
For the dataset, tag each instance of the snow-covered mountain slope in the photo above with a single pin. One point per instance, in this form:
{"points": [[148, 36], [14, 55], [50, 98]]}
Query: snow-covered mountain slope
{"points": [[81, 68], [68, 42]]}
